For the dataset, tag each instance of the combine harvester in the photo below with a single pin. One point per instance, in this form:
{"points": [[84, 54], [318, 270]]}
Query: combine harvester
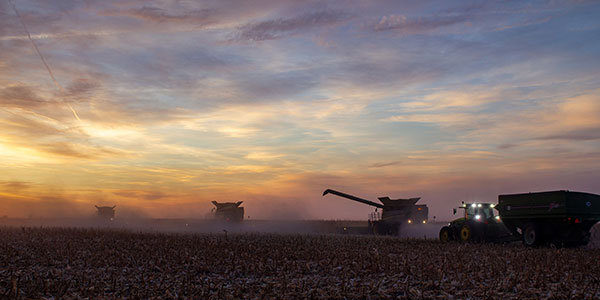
{"points": [[228, 211], [105, 212], [561, 218], [394, 213]]}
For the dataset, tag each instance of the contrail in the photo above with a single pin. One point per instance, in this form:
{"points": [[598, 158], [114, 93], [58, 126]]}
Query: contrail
{"points": [[62, 90]]}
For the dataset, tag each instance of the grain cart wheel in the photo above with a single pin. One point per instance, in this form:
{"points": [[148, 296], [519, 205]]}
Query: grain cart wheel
{"points": [[445, 235], [531, 235], [466, 233]]}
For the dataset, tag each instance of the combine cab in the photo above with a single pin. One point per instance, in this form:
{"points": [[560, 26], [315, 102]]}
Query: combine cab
{"points": [[394, 213], [229, 211]]}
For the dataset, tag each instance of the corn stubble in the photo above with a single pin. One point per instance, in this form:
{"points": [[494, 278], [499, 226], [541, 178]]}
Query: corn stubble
{"points": [[68, 263]]}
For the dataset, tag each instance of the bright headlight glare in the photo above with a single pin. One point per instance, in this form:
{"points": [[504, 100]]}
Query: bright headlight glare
{"points": [[477, 217], [473, 205], [479, 205]]}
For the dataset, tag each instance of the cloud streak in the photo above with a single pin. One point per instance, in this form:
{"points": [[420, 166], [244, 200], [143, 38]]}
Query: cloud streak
{"points": [[42, 57], [271, 102], [201, 17], [20, 96], [280, 28], [385, 164], [404, 25]]}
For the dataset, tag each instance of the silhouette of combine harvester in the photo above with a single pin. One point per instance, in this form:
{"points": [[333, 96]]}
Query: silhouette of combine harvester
{"points": [[228, 211], [106, 212], [395, 213]]}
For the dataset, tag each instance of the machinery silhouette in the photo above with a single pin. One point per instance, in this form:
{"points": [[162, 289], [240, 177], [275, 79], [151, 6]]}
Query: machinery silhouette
{"points": [[106, 212], [395, 213], [229, 211]]}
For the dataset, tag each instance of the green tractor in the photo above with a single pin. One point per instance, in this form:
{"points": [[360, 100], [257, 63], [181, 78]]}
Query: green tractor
{"points": [[562, 218], [479, 223]]}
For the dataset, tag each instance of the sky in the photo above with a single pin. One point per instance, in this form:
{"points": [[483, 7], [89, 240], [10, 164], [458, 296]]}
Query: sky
{"points": [[160, 107]]}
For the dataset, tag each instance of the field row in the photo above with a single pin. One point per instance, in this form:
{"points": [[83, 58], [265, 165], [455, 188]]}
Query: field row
{"points": [[71, 263]]}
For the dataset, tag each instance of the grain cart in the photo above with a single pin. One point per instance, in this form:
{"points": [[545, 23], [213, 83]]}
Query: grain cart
{"points": [[394, 212], [478, 223], [229, 211], [557, 217]]}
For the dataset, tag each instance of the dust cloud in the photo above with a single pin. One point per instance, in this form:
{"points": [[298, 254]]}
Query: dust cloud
{"points": [[425, 231]]}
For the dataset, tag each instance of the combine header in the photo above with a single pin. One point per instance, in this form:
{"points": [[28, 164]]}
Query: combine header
{"points": [[229, 211], [394, 212]]}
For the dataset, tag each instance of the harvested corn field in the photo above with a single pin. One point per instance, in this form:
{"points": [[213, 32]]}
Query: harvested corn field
{"points": [[38, 263]]}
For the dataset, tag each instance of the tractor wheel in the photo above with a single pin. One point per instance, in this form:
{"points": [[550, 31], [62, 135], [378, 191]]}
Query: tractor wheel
{"points": [[531, 235], [466, 233], [445, 234]]}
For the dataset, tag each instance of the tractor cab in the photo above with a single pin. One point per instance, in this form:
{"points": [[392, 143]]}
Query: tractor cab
{"points": [[480, 212]]}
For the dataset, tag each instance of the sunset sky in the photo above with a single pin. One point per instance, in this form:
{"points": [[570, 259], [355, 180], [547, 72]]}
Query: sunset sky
{"points": [[160, 107]]}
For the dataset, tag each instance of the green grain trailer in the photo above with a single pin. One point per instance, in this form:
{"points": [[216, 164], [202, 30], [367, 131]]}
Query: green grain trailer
{"points": [[558, 217]]}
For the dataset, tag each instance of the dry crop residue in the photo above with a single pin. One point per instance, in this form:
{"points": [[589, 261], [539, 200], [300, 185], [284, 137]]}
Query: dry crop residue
{"points": [[38, 263]]}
